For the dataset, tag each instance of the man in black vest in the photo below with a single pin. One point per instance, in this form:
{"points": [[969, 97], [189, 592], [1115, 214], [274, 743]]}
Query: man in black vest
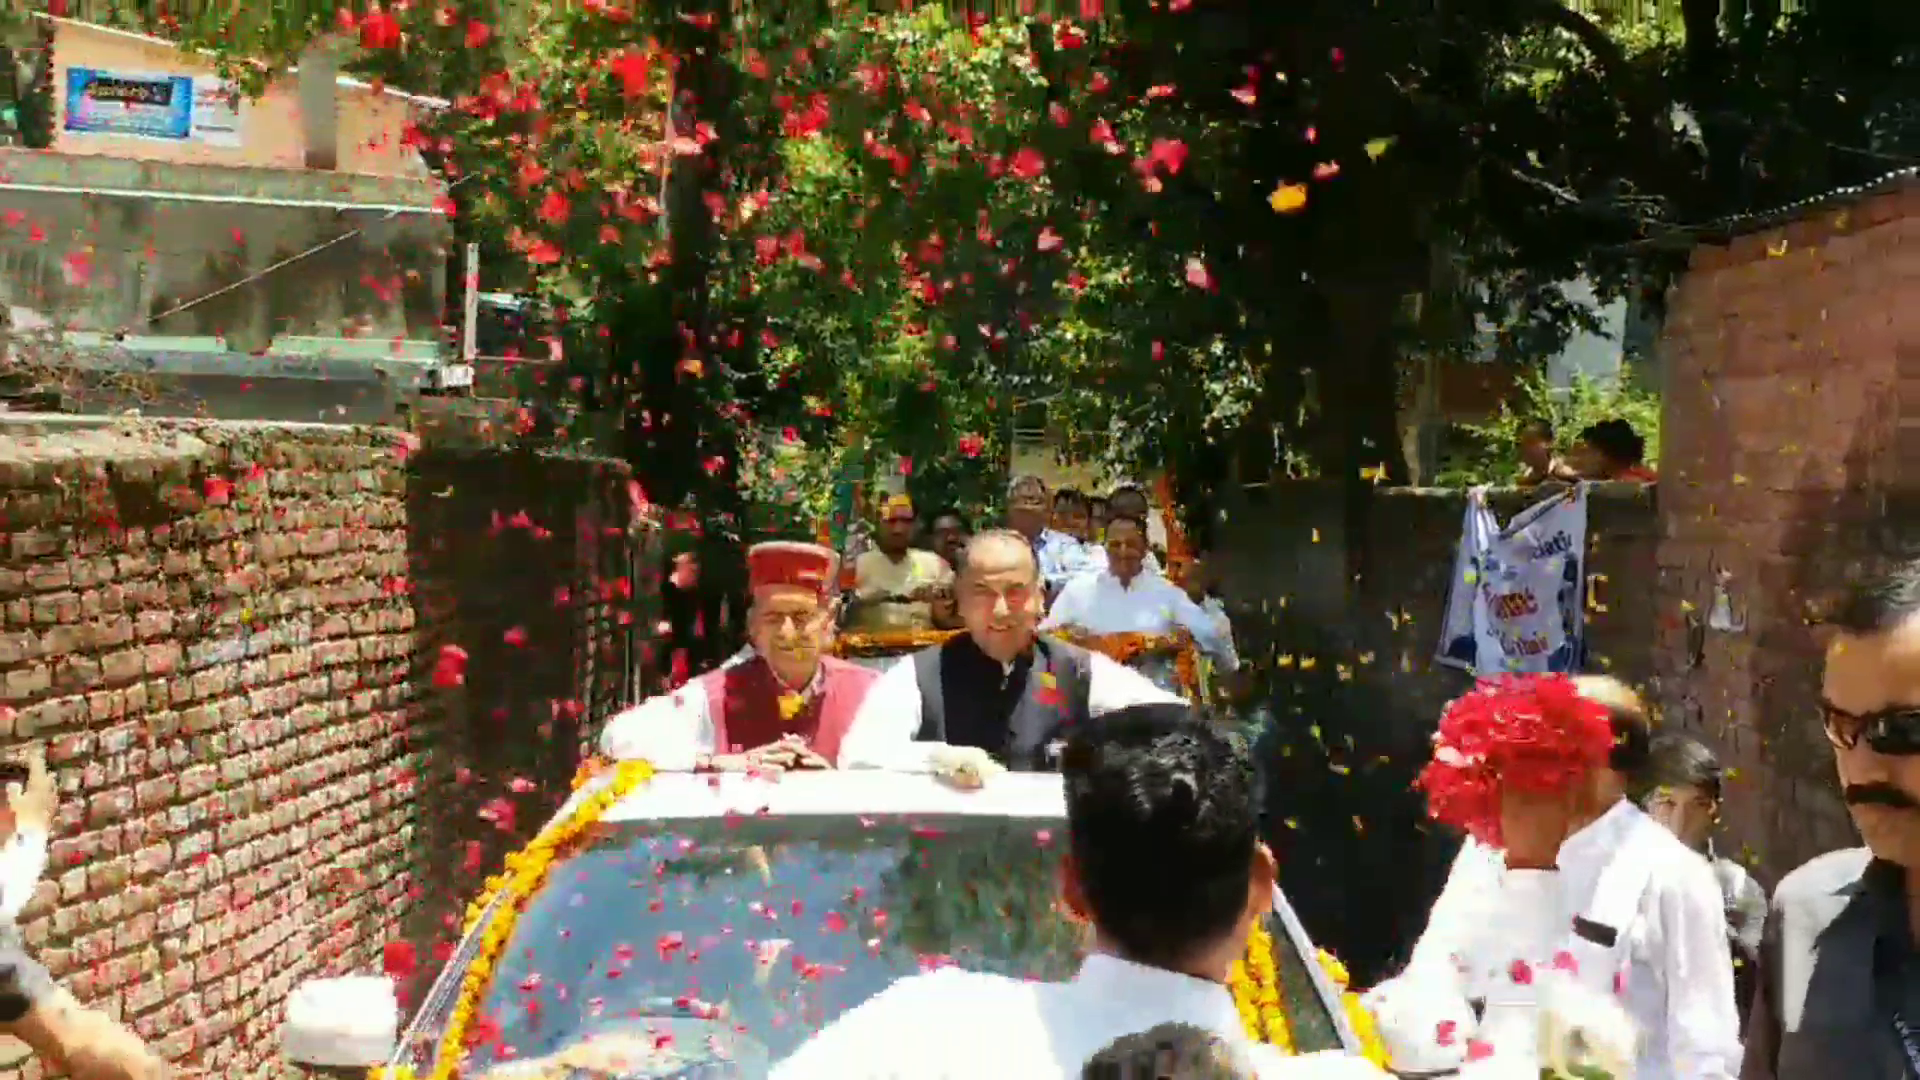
{"points": [[998, 693]]}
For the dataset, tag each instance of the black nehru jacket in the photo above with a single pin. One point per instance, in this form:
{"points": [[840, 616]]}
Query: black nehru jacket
{"points": [[1014, 713]]}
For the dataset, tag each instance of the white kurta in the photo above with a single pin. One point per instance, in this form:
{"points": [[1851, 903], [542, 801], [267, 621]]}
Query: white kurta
{"points": [[23, 860], [1679, 972], [958, 1025], [1062, 558], [672, 730], [883, 731], [1149, 604]]}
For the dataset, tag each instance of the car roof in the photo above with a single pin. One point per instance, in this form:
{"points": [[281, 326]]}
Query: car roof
{"points": [[840, 791]]}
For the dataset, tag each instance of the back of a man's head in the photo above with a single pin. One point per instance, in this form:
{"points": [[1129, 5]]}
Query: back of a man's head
{"points": [[1169, 1052], [1162, 829], [1627, 712]]}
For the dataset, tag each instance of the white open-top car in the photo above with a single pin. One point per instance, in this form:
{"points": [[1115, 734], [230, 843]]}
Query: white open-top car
{"points": [[726, 918]]}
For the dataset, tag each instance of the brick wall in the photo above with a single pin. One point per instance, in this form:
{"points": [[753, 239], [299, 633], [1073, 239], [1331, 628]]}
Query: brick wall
{"points": [[1793, 365], [219, 634], [1351, 678]]}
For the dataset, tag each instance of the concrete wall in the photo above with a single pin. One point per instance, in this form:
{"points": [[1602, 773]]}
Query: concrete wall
{"points": [[1789, 457], [370, 127], [222, 635], [156, 236], [108, 264], [1344, 629]]}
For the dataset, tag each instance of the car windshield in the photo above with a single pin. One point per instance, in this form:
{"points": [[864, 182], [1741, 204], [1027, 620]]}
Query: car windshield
{"points": [[782, 924]]}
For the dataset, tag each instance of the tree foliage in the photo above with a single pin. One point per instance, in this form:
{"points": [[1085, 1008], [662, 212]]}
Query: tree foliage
{"points": [[1488, 453], [1189, 231]]}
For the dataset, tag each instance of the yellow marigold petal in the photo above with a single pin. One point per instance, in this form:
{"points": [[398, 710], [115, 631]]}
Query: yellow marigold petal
{"points": [[1288, 198]]}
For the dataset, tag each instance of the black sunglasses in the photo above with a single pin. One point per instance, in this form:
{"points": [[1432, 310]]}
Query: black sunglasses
{"points": [[1893, 732]]}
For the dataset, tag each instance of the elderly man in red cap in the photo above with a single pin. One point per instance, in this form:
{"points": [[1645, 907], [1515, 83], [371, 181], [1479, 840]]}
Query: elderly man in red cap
{"points": [[783, 705]]}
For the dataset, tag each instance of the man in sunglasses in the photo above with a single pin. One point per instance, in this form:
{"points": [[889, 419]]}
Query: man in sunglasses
{"points": [[1840, 976]]}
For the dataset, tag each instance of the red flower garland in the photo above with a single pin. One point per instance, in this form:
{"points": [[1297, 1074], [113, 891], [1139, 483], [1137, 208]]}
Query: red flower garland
{"points": [[1533, 733]]}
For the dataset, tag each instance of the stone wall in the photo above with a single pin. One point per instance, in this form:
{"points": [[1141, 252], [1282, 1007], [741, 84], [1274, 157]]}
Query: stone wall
{"points": [[1344, 629], [220, 635], [1789, 455]]}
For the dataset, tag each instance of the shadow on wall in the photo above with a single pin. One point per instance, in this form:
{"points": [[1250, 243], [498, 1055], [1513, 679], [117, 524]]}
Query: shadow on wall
{"points": [[522, 562], [1347, 669], [1834, 539], [1358, 858]]}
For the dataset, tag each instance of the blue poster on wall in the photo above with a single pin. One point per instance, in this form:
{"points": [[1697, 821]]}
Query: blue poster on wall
{"points": [[144, 106]]}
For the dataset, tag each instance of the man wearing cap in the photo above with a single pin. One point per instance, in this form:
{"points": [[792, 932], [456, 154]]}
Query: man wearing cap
{"points": [[784, 705], [896, 586]]}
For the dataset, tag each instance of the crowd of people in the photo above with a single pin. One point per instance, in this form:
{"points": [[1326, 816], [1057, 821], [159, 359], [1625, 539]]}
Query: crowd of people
{"points": [[1100, 572], [997, 694], [1589, 844], [1588, 861], [1610, 450]]}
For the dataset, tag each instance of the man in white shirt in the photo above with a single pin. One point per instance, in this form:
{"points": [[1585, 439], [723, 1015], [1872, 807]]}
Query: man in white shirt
{"points": [[1030, 513], [25, 821], [998, 688], [1127, 598], [1645, 911], [1164, 861]]}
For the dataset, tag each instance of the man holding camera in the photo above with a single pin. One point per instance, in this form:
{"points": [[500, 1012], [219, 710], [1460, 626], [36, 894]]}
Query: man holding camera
{"points": [[65, 1036]]}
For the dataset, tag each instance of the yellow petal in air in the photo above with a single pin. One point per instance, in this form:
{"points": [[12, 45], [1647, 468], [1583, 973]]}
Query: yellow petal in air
{"points": [[1377, 147], [1288, 198]]}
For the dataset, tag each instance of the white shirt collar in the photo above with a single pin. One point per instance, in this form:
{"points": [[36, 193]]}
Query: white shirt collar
{"points": [[1181, 998], [1599, 838], [1143, 580]]}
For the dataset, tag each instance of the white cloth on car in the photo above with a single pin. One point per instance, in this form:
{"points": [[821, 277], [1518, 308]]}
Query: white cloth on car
{"points": [[960, 1025]]}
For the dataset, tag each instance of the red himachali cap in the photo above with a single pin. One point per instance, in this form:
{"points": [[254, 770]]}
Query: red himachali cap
{"points": [[807, 566]]}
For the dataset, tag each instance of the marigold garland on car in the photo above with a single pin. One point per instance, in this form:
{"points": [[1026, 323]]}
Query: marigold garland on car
{"points": [[589, 770], [525, 872], [1255, 983], [1364, 1027]]}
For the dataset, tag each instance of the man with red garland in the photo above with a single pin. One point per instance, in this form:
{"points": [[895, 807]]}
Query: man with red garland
{"points": [[1560, 874], [783, 705]]}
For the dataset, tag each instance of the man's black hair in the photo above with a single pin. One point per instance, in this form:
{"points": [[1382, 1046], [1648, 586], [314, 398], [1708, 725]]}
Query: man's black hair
{"points": [[1542, 429], [952, 512], [1162, 826], [1128, 489], [1617, 440], [1632, 742], [1676, 759], [1070, 497], [1115, 519], [1879, 603]]}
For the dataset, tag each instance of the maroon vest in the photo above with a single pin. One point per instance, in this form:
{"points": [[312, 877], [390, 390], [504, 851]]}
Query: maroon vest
{"points": [[743, 702]]}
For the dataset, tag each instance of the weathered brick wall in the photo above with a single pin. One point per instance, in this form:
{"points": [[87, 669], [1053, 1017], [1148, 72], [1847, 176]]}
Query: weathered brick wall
{"points": [[1792, 401], [1351, 678], [218, 633], [536, 578]]}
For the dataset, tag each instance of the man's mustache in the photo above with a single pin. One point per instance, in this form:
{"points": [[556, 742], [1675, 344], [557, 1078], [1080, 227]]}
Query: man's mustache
{"points": [[1879, 795]]}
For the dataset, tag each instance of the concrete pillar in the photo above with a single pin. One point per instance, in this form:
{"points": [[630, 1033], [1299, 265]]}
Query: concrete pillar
{"points": [[318, 92]]}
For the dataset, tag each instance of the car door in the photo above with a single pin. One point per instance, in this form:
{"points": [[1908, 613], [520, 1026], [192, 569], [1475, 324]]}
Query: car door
{"points": [[1315, 1013]]}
